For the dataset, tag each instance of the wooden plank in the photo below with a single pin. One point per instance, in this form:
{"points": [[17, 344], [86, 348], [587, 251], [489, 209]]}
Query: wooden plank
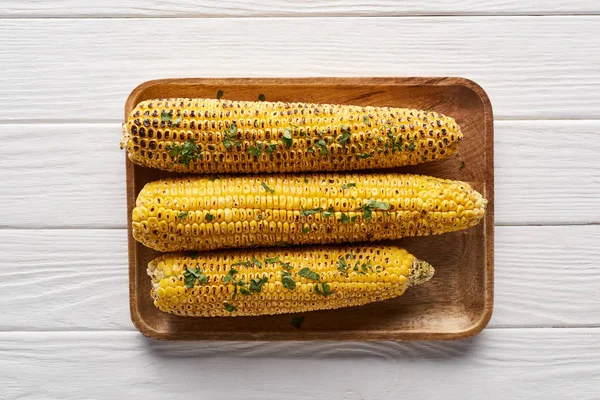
{"points": [[309, 8], [102, 60], [42, 167], [77, 279], [513, 363]]}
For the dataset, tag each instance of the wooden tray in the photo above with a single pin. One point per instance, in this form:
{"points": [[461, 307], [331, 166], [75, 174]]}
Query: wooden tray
{"points": [[456, 303]]}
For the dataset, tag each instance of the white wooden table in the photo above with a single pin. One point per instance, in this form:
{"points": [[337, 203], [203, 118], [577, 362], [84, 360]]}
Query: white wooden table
{"points": [[66, 68]]}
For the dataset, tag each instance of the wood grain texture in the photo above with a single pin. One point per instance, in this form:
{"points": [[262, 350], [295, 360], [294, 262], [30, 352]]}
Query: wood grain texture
{"points": [[98, 62], [457, 308], [308, 8], [561, 186], [545, 276], [507, 363]]}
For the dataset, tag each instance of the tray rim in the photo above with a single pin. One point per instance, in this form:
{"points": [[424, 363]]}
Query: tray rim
{"points": [[355, 335]]}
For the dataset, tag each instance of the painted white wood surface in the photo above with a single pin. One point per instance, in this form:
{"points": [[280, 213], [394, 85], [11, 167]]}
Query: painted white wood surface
{"points": [[498, 364], [306, 8], [72, 175], [77, 279], [67, 67], [83, 69]]}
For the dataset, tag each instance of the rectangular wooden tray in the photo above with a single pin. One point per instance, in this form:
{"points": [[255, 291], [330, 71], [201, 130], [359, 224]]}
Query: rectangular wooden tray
{"points": [[456, 303]]}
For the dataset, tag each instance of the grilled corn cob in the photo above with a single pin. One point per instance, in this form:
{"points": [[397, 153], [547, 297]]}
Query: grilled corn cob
{"points": [[276, 281], [225, 136], [210, 213]]}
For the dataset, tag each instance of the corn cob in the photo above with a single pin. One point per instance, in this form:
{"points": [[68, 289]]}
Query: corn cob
{"points": [[276, 281], [225, 136], [203, 213]]}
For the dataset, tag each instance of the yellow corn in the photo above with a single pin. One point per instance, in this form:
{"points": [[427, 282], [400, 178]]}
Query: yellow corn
{"points": [[225, 136], [198, 213], [277, 281]]}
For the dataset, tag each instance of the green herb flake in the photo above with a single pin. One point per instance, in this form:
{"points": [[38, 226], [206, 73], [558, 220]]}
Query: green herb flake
{"points": [[165, 116], [229, 276], [287, 138], [324, 291], [345, 219], [348, 185], [462, 165], [371, 205], [366, 119], [286, 265], [411, 146], [312, 211], [182, 215], [305, 180], [287, 281], [191, 274], [209, 217], [219, 94], [256, 262], [177, 120], [246, 264], [364, 155], [305, 230], [345, 136], [328, 213], [186, 153], [256, 284], [282, 244], [259, 217], [214, 178], [272, 260], [297, 322], [255, 150], [308, 274], [343, 266], [261, 97], [229, 307], [270, 148], [268, 189]]}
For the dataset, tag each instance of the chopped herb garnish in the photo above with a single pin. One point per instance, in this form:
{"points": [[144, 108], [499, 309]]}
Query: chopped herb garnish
{"points": [[227, 278], [364, 155], [219, 94], [462, 165], [268, 189], [272, 260], [366, 119], [229, 307], [305, 180], [411, 146], [312, 211], [322, 147], [287, 280], [246, 264], [343, 266], [324, 291], [328, 213], [191, 274], [182, 215], [165, 116], [345, 219], [345, 136], [230, 136], [259, 217], [270, 148], [261, 97], [348, 185], [287, 138], [308, 274], [282, 244], [305, 230], [256, 262], [186, 153], [286, 265], [256, 150], [214, 178], [371, 205], [209, 217], [297, 322]]}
